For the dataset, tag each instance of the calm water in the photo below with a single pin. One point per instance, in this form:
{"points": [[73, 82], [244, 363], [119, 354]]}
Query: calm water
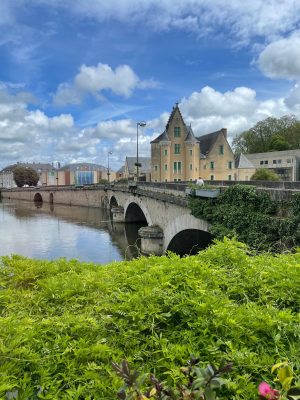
{"points": [[50, 232]]}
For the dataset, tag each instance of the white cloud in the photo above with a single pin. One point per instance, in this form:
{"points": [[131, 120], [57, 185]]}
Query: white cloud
{"points": [[96, 79], [281, 59]]}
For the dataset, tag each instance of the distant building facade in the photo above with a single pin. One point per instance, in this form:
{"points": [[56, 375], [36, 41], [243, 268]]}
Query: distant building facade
{"points": [[179, 155], [84, 174], [130, 170], [286, 163]]}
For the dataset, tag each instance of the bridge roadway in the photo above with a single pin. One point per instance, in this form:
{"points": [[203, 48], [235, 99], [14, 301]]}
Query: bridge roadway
{"points": [[160, 206]]}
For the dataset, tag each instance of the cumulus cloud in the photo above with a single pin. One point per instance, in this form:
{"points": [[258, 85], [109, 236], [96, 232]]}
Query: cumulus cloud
{"points": [[96, 79], [236, 110], [281, 58]]}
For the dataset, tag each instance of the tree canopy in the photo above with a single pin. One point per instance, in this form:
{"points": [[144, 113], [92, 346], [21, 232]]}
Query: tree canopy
{"points": [[25, 176], [271, 134]]}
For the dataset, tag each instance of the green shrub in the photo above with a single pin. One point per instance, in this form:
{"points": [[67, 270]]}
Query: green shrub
{"points": [[264, 174], [63, 322]]}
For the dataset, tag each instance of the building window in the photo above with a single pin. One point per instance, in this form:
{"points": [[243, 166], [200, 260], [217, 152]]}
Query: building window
{"points": [[166, 167], [261, 163], [177, 131], [274, 161], [165, 152], [221, 149], [177, 167], [177, 148], [212, 165], [191, 152], [155, 167], [278, 161], [288, 160], [191, 167], [229, 164], [166, 180], [266, 162], [212, 177], [229, 177]]}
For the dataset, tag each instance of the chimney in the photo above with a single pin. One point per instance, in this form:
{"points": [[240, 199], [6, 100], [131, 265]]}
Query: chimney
{"points": [[224, 131]]}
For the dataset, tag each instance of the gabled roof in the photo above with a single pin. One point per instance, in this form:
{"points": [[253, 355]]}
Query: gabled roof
{"points": [[241, 161], [144, 161], [207, 141], [162, 137]]}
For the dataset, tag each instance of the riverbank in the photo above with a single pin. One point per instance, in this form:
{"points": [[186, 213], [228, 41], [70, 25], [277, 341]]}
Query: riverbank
{"points": [[63, 323]]}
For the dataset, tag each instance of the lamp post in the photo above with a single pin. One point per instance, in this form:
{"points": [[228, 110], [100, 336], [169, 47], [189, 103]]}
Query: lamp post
{"points": [[142, 124], [108, 173]]}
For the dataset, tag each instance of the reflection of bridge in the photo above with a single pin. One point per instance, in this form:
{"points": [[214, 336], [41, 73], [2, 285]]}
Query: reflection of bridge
{"points": [[170, 226]]}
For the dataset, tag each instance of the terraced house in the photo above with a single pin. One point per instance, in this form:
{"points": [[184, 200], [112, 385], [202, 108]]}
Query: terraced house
{"points": [[178, 155]]}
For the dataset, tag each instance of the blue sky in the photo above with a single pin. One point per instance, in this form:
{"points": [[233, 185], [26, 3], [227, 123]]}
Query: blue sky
{"points": [[76, 75]]}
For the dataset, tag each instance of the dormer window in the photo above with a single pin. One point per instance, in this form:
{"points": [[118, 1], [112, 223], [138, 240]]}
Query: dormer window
{"points": [[177, 131]]}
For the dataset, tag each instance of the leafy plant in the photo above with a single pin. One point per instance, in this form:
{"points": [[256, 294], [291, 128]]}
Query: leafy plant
{"points": [[200, 383]]}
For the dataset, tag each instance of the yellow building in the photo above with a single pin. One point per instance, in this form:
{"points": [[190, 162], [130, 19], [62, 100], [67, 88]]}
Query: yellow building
{"points": [[178, 155]]}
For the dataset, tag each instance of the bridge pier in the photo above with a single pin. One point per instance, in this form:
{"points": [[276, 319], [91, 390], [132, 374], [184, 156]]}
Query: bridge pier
{"points": [[118, 214], [151, 240]]}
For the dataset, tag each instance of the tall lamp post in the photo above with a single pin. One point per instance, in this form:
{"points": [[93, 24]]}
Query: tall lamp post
{"points": [[108, 173], [142, 124]]}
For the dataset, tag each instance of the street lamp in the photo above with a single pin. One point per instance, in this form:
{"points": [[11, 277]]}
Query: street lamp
{"points": [[108, 173], [142, 124]]}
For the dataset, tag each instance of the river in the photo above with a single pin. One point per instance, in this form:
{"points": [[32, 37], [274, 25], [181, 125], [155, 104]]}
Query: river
{"points": [[48, 232]]}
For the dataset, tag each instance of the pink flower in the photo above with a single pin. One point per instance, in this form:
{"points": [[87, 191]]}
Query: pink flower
{"points": [[265, 390]]}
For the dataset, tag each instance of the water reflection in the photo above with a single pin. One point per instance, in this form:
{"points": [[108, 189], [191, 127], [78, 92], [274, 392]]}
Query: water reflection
{"points": [[43, 230]]}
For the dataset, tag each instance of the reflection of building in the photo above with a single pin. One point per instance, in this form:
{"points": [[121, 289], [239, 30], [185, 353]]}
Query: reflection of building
{"points": [[144, 169], [178, 155], [285, 163]]}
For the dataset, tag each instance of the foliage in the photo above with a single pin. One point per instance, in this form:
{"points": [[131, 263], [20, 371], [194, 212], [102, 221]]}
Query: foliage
{"points": [[25, 176], [103, 181], [264, 174], [286, 378], [251, 216], [271, 134], [64, 322], [200, 383]]}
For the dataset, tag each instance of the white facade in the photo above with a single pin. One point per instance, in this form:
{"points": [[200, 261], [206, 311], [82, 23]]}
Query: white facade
{"points": [[7, 180], [285, 163]]}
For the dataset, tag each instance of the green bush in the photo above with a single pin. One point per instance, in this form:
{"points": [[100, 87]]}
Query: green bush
{"points": [[64, 322], [264, 174], [253, 217]]}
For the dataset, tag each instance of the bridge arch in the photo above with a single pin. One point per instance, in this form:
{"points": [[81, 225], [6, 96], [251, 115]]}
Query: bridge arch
{"points": [[183, 229], [38, 198], [135, 211], [113, 202], [189, 241]]}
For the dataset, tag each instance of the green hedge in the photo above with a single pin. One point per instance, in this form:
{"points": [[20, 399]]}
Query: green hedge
{"points": [[252, 217], [64, 322]]}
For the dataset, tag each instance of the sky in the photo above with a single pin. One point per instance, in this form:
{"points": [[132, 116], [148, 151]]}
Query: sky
{"points": [[76, 76]]}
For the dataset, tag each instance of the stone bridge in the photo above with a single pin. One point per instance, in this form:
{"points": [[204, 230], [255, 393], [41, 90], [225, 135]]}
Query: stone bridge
{"points": [[162, 211]]}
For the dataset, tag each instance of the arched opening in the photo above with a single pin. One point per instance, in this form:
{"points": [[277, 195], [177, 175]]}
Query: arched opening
{"points": [[113, 202], [38, 198], [51, 198], [135, 219], [135, 214], [189, 242]]}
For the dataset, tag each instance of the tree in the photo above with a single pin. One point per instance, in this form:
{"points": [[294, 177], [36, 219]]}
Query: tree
{"points": [[264, 174], [25, 176], [270, 134]]}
